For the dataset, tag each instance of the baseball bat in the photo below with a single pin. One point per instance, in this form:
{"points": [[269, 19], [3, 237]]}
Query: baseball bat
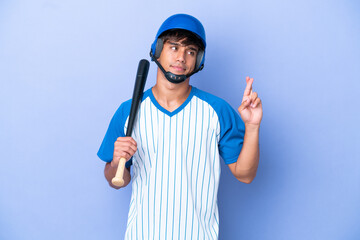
{"points": [[140, 81]]}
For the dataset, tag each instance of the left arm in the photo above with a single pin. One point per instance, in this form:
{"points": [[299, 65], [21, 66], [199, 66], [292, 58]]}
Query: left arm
{"points": [[245, 168]]}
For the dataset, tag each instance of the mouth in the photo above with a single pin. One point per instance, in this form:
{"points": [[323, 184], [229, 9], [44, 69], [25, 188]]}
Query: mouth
{"points": [[178, 69]]}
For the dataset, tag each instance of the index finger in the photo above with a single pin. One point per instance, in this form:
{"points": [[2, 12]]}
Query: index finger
{"points": [[248, 89], [126, 139]]}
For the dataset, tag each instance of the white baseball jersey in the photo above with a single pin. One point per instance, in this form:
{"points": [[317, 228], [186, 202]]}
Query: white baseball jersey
{"points": [[176, 167]]}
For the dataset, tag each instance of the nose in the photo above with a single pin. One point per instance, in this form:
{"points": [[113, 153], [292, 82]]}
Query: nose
{"points": [[181, 55]]}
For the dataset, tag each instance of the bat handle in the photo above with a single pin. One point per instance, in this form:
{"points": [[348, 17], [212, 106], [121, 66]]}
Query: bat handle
{"points": [[118, 180]]}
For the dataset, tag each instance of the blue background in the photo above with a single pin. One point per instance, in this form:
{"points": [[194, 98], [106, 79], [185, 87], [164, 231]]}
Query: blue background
{"points": [[65, 67]]}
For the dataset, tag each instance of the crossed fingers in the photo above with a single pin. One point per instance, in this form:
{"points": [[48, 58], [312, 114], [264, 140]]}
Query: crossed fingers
{"points": [[250, 98]]}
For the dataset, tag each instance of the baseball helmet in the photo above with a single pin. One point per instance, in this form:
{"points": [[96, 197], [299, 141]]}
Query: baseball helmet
{"points": [[184, 22]]}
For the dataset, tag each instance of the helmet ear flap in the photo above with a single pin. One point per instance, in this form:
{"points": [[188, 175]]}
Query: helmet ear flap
{"points": [[158, 48], [199, 60]]}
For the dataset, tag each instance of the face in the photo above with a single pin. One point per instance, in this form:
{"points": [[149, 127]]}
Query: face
{"points": [[178, 58]]}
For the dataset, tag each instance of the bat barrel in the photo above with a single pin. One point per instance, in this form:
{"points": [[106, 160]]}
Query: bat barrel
{"points": [[140, 81]]}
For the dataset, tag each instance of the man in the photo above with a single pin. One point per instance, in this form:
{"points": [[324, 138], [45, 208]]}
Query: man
{"points": [[177, 139]]}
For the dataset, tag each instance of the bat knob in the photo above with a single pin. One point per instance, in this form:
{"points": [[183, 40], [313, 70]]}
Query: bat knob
{"points": [[117, 182]]}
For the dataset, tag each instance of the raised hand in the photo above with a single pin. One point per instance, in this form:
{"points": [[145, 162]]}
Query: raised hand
{"points": [[251, 108]]}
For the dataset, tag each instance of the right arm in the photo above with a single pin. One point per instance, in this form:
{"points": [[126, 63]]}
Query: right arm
{"points": [[123, 147]]}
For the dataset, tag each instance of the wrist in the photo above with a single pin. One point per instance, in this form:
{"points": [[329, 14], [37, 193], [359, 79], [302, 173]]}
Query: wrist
{"points": [[114, 164], [253, 128]]}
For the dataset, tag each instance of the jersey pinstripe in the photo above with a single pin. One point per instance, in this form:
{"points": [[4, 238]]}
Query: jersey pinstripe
{"points": [[176, 168]]}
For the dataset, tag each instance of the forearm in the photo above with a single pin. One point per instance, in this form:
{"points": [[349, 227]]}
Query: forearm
{"points": [[110, 172], [247, 163]]}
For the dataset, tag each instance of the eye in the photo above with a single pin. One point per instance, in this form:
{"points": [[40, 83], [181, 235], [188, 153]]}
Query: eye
{"points": [[191, 53], [173, 48]]}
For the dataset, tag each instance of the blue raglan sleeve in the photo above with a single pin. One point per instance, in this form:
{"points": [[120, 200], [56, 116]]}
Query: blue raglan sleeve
{"points": [[232, 131], [115, 130], [232, 128]]}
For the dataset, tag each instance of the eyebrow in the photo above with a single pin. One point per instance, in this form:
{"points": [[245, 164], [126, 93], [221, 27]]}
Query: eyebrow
{"points": [[179, 44]]}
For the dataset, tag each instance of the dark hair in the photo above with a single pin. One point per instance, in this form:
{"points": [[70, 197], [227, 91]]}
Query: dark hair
{"points": [[177, 35]]}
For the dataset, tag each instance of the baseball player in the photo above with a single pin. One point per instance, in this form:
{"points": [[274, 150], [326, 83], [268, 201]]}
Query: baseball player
{"points": [[177, 141]]}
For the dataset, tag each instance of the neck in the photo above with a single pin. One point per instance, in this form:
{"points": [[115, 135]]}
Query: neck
{"points": [[170, 95]]}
